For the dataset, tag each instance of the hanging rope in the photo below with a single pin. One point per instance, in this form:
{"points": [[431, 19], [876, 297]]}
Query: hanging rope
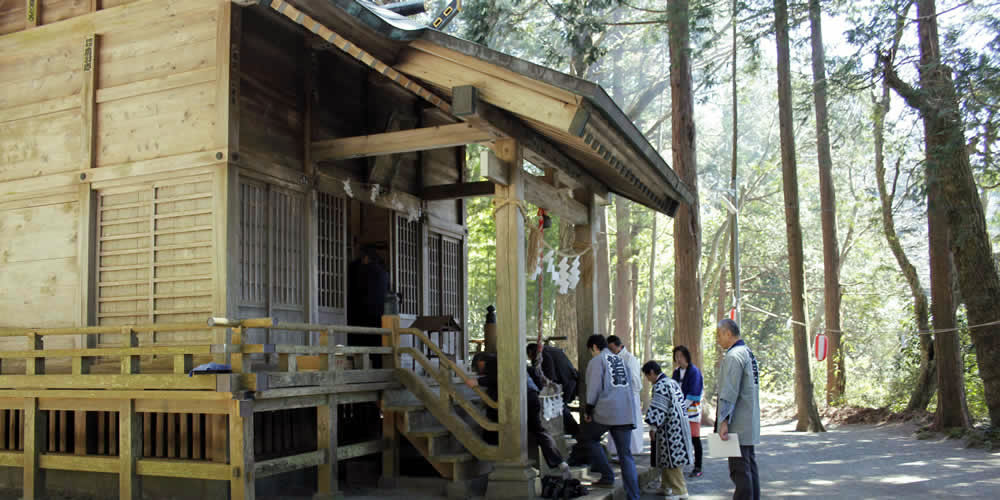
{"points": [[540, 281], [829, 330]]}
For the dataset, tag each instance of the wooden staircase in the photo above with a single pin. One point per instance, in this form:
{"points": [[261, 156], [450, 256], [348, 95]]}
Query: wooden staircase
{"points": [[430, 436]]}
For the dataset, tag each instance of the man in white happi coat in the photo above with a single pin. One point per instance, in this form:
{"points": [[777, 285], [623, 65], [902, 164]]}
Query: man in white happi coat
{"points": [[615, 345]]}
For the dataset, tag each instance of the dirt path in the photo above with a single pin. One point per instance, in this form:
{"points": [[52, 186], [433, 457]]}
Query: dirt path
{"points": [[859, 461]]}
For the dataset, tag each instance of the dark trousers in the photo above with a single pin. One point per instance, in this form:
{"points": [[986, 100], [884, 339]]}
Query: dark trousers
{"points": [[545, 441], [696, 442], [570, 426], [743, 472], [590, 439]]}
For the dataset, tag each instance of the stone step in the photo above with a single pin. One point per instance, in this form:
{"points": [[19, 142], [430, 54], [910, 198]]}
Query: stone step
{"points": [[453, 458], [429, 432]]}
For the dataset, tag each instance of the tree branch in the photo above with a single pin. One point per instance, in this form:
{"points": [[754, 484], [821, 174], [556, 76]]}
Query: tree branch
{"points": [[912, 96]]}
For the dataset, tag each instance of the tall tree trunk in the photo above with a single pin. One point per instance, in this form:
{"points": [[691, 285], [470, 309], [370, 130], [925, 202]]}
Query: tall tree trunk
{"points": [[969, 240], [808, 415], [926, 384], [635, 307], [603, 264], [566, 304], [623, 270], [835, 375], [734, 216], [957, 228], [647, 339], [687, 223]]}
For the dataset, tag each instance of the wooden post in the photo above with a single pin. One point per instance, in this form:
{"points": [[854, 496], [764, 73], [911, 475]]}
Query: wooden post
{"points": [[390, 455], [236, 358], [130, 364], [34, 439], [587, 297], [490, 330], [326, 438], [87, 236], [512, 477], [32, 13], [241, 457], [35, 366], [130, 450]]}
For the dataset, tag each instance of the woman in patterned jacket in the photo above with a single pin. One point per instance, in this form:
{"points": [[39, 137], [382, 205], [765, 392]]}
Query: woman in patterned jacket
{"points": [[671, 441]]}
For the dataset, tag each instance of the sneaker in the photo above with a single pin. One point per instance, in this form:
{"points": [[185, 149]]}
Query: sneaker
{"points": [[695, 473]]}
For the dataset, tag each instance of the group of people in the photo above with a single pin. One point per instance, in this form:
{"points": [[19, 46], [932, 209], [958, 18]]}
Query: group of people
{"points": [[612, 406]]}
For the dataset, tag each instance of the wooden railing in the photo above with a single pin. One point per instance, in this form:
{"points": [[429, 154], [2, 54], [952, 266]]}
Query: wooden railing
{"points": [[440, 404], [133, 410]]}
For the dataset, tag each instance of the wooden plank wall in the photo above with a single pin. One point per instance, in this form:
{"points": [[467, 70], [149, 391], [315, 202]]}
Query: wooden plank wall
{"points": [[122, 103], [271, 92]]}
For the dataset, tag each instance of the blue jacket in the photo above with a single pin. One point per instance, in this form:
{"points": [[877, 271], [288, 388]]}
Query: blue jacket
{"points": [[693, 387]]}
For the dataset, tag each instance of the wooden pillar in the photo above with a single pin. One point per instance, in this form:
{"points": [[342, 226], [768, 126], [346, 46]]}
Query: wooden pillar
{"points": [[241, 457], [390, 455], [587, 298], [511, 478], [326, 439], [34, 439], [130, 451]]}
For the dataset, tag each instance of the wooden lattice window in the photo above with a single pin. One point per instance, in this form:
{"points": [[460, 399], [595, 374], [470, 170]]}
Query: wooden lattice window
{"points": [[434, 270], [287, 229], [272, 251], [253, 244], [331, 219], [452, 297], [444, 262], [408, 264]]}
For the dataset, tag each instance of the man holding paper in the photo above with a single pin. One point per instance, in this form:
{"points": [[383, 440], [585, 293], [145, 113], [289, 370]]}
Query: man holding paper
{"points": [[739, 408]]}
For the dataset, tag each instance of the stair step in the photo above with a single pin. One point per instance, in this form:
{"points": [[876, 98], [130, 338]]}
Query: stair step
{"points": [[453, 457], [403, 408], [430, 432]]}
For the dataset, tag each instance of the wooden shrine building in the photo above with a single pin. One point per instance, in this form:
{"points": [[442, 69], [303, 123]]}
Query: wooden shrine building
{"points": [[189, 181]]}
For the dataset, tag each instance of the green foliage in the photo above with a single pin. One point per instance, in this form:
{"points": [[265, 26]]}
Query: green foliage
{"points": [[623, 47]]}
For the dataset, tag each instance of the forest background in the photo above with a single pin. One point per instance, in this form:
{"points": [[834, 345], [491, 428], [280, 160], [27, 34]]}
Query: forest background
{"points": [[623, 46]]}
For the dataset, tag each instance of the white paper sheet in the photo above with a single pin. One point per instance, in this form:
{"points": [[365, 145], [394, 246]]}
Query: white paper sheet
{"points": [[717, 448]]}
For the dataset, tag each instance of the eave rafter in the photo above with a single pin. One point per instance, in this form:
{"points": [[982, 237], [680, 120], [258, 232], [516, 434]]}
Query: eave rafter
{"points": [[403, 141]]}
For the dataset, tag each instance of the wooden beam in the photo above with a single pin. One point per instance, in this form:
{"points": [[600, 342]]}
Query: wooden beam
{"points": [[360, 449], [492, 168], [468, 106], [406, 141], [513, 94], [107, 381], [540, 193], [458, 191], [291, 463], [183, 468], [537, 190]]}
